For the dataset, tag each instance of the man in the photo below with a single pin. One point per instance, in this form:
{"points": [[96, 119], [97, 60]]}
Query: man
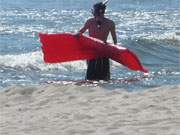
{"points": [[99, 27]]}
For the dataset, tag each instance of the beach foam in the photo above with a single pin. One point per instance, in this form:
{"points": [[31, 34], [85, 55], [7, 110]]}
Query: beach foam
{"points": [[55, 109], [34, 60]]}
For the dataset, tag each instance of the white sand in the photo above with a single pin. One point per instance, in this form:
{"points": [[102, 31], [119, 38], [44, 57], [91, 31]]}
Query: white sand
{"points": [[81, 110]]}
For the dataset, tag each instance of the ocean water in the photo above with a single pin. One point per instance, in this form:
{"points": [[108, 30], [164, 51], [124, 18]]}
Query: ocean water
{"points": [[149, 28]]}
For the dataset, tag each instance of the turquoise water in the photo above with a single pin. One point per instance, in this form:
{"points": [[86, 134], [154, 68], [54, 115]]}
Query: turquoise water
{"points": [[149, 28]]}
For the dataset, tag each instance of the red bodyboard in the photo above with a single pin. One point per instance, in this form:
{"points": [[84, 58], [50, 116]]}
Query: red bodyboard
{"points": [[65, 47]]}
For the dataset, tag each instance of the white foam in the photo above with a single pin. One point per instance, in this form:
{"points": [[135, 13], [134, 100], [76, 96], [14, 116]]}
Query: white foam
{"points": [[166, 36], [34, 60]]}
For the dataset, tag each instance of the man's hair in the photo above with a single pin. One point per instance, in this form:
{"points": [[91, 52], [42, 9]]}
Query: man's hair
{"points": [[99, 8]]}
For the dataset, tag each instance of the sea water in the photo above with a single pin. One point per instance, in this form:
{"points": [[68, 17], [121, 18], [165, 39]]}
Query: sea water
{"points": [[151, 29]]}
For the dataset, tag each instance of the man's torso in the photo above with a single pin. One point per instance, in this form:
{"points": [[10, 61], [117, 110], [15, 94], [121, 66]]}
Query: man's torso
{"points": [[101, 32]]}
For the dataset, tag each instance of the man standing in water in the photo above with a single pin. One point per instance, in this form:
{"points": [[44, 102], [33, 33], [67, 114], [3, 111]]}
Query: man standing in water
{"points": [[99, 27]]}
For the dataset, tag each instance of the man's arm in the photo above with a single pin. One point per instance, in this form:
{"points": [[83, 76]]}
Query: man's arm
{"points": [[113, 33], [84, 28]]}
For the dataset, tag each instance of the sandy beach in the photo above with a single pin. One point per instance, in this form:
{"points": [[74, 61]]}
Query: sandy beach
{"points": [[56, 109]]}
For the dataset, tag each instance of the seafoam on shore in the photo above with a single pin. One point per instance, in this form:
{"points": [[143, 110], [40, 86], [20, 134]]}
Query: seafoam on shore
{"points": [[56, 109]]}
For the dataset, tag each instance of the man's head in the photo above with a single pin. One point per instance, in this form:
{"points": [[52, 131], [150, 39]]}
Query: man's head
{"points": [[99, 9]]}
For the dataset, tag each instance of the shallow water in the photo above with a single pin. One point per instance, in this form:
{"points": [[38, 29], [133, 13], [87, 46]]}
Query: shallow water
{"points": [[150, 29]]}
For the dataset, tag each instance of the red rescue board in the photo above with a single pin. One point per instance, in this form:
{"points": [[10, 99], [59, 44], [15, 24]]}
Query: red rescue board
{"points": [[65, 47]]}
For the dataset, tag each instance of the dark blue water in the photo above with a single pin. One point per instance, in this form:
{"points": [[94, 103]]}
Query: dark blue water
{"points": [[149, 28]]}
